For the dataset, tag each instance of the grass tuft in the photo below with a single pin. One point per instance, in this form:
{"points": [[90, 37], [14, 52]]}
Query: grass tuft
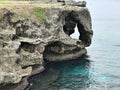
{"points": [[40, 13]]}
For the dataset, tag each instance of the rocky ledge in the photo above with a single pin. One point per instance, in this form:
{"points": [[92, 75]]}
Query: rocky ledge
{"points": [[32, 33]]}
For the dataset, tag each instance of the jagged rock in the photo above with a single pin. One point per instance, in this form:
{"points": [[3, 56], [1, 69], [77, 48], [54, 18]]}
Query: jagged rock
{"points": [[82, 3], [79, 3], [73, 3], [31, 33], [64, 2]]}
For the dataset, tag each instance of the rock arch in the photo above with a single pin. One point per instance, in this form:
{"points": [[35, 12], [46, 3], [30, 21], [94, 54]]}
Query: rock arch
{"points": [[83, 24]]}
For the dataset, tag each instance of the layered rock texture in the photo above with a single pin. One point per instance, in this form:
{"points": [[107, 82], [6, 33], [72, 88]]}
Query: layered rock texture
{"points": [[32, 33]]}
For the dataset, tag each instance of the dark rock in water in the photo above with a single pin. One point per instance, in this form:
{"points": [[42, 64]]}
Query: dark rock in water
{"points": [[45, 81], [30, 34]]}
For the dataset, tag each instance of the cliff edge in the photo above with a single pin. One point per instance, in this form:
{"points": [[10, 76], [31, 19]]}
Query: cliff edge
{"points": [[33, 32]]}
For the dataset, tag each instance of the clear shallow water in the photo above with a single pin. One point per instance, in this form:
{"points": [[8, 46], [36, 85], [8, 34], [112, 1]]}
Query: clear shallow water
{"points": [[99, 70]]}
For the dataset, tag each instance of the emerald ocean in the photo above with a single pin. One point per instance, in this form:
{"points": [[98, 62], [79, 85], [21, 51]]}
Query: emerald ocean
{"points": [[99, 69]]}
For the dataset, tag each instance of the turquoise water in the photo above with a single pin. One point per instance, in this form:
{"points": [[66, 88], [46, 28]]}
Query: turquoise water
{"points": [[99, 69]]}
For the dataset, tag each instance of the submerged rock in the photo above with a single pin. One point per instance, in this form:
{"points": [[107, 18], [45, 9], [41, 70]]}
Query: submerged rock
{"points": [[32, 33]]}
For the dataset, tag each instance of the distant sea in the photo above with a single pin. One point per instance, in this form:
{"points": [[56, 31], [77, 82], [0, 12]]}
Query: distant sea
{"points": [[99, 69]]}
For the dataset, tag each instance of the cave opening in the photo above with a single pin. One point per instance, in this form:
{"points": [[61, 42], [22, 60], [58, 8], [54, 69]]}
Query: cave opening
{"points": [[76, 33], [74, 28]]}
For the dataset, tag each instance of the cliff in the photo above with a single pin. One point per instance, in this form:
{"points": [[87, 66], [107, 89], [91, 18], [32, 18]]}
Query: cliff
{"points": [[33, 33]]}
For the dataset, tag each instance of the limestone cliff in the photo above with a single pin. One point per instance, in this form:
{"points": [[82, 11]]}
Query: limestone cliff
{"points": [[32, 33]]}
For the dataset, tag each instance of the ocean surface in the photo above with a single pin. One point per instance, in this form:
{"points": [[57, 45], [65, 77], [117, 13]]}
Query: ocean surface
{"points": [[100, 68]]}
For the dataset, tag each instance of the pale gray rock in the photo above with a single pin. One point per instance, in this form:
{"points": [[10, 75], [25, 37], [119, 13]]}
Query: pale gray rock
{"points": [[28, 41]]}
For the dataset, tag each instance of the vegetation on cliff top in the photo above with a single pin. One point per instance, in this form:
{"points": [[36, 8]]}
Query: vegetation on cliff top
{"points": [[40, 13], [35, 11], [23, 9]]}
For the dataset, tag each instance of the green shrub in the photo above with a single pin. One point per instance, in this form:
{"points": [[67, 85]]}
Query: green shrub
{"points": [[40, 13], [44, 0]]}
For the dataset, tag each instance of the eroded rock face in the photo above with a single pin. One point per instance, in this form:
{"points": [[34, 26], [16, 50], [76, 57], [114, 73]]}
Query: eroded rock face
{"points": [[27, 42], [83, 22]]}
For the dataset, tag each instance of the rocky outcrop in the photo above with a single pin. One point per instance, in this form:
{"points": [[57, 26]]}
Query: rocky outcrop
{"points": [[32, 33]]}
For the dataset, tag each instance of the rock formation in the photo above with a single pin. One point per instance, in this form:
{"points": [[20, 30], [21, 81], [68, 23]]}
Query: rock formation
{"points": [[32, 33]]}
